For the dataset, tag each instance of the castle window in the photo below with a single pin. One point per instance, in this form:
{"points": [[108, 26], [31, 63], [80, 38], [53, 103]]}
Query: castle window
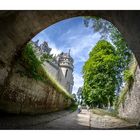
{"points": [[66, 73]]}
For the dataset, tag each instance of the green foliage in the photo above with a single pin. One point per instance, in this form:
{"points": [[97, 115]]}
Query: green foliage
{"points": [[99, 73], [46, 57], [73, 107], [31, 62], [121, 97], [35, 69], [122, 49], [108, 31], [129, 79], [74, 97], [128, 75]]}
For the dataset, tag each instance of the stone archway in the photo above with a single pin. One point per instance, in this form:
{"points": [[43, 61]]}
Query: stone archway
{"points": [[18, 27]]}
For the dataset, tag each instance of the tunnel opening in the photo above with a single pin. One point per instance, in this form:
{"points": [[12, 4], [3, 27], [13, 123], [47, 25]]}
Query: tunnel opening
{"points": [[36, 97], [43, 46], [103, 33]]}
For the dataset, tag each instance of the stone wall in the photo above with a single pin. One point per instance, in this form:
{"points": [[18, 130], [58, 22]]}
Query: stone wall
{"points": [[51, 69], [26, 95], [66, 81], [58, 73], [130, 109]]}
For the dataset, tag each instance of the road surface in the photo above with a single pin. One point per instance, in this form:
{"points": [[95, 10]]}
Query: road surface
{"points": [[63, 120]]}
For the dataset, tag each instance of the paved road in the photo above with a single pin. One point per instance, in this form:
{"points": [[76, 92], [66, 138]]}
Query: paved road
{"points": [[57, 121], [63, 120], [72, 121]]}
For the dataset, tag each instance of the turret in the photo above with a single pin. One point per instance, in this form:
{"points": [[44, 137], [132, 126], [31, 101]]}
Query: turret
{"points": [[65, 62]]}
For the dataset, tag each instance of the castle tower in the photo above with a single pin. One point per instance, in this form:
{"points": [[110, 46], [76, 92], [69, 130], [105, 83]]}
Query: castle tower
{"points": [[45, 48], [65, 62]]}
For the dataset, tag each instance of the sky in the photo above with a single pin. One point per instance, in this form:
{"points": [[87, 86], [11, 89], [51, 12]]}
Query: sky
{"points": [[71, 34]]}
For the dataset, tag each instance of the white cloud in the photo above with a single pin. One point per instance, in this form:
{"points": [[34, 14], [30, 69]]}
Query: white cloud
{"points": [[69, 35], [82, 45], [42, 36], [55, 50], [85, 43]]}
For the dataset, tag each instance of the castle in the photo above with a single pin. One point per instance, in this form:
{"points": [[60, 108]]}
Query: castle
{"points": [[61, 67]]}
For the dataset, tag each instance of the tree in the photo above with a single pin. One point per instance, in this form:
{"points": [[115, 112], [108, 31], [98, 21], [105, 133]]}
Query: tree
{"points": [[99, 73], [109, 32], [79, 95], [74, 97]]}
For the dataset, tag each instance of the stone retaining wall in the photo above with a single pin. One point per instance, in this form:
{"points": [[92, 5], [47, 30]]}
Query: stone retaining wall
{"points": [[130, 109], [26, 95]]}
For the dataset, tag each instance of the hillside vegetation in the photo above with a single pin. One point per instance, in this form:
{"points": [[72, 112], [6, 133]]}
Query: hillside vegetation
{"points": [[34, 69]]}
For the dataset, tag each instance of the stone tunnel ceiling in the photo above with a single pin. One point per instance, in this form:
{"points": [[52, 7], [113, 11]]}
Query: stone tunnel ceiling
{"points": [[18, 27]]}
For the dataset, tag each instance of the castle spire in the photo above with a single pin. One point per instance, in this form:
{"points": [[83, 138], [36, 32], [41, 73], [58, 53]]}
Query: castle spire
{"points": [[69, 51], [36, 42]]}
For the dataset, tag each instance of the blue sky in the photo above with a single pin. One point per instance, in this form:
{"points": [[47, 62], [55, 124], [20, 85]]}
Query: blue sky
{"points": [[71, 34]]}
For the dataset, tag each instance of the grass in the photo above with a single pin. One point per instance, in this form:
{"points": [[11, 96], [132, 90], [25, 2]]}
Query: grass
{"points": [[34, 68], [103, 112]]}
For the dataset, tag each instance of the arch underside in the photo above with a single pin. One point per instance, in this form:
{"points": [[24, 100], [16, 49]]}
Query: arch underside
{"points": [[19, 27]]}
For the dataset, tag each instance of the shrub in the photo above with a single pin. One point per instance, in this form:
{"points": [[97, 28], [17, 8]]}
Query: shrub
{"points": [[46, 57], [31, 62]]}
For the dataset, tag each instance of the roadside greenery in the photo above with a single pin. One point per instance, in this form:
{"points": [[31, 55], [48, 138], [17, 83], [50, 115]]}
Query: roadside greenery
{"points": [[99, 73], [92, 92], [103, 112], [108, 31], [34, 69], [73, 107]]}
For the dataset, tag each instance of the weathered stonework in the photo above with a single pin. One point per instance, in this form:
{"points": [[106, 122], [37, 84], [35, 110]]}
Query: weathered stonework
{"points": [[26, 95], [130, 109], [4, 74]]}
